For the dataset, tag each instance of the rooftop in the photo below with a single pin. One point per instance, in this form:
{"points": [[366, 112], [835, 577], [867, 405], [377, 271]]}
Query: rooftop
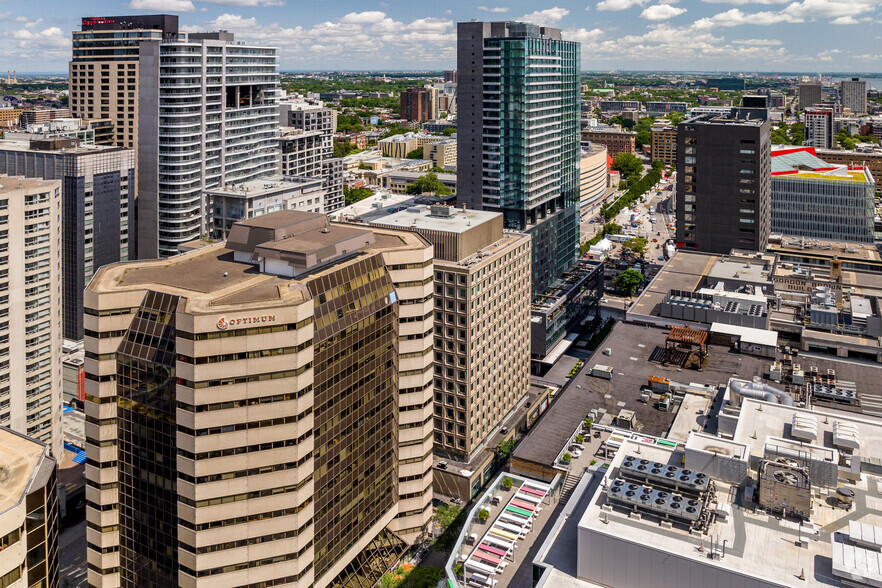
{"points": [[11, 184], [21, 458], [264, 186], [437, 218]]}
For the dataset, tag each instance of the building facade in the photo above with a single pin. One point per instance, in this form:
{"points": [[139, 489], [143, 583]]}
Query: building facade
{"points": [[518, 131], [209, 116], [105, 68], [482, 297], [593, 174], [872, 160], [440, 153], [28, 513], [819, 127], [30, 308], [723, 184], [98, 197], [417, 104], [615, 140], [854, 95], [288, 428], [663, 108], [664, 143], [810, 94]]}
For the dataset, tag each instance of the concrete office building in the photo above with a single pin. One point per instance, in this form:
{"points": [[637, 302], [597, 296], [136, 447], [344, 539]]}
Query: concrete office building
{"points": [[854, 95], [593, 174], [616, 140], [233, 203], [208, 117], [30, 308], [524, 79], [872, 160], [98, 198], [729, 84], [287, 434], [723, 183], [664, 108], [400, 145], [620, 105], [482, 301], [105, 69], [28, 513], [418, 104], [307, 146], [819, 127], [810, 94], [440, 153], [815, 200], [664, 142]]}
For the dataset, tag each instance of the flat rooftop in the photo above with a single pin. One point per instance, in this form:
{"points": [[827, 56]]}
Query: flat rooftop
{"points": [[22, 144], [818, 247], [21, 456], [13, 183], [444, 219], [685, 271], [264, 186]]}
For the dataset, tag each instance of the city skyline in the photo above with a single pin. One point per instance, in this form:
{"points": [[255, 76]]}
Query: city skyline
{"points": [[771, 35]]}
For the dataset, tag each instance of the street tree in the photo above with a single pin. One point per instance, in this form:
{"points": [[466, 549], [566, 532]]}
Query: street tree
{"points": [[628, 281]]}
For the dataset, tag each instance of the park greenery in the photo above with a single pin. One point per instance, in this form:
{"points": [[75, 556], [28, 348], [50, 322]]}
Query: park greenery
{"points": [[628, 281], [635, 245], [353, 195], [428, 183], [608, 229], [344, 148]]}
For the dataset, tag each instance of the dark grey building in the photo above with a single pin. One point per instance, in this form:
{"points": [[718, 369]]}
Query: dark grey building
{"points": [[518, 135], [98, 196], [730, 84], [810, 94], [723, 183]]}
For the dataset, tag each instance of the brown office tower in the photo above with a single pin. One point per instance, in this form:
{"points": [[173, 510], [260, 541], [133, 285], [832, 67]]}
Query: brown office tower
{"points": [[482, 326], [416, 104], [724, 185], [259, 410], [104, 72]]}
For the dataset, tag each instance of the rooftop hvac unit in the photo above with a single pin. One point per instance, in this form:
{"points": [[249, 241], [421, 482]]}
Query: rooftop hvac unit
{"points": [[846, 435], [660, 502], [828, 392], [804, 427], [670, 476]]}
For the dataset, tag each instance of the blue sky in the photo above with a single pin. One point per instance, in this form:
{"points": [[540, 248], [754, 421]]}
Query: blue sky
{"points": [[743, 35]]}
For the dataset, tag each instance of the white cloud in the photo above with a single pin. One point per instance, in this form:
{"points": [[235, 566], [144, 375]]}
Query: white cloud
{"points": [[163, 5], [369, 17], [845, 20], [741, 2], [615, 5], [499, 9], [583, 35], [661, 12], [549, 16], [758, 42], [50, 39], [735, 17], [250, 3]]}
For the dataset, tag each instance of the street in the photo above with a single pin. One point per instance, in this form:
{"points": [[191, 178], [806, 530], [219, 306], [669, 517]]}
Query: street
{"points": [[72, 556]]}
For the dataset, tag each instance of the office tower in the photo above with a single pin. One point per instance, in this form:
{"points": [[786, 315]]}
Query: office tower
{"points": [[854, 95], [28, 513], [518, 133], [208, 117], [30, 309], [664, 142], [449, 76], [482, 321], [417, 104], [723, 183], [809, 94], [819, 127], [97, 192], [307, 146], [813, 199], [104, 72], [260, 409]]}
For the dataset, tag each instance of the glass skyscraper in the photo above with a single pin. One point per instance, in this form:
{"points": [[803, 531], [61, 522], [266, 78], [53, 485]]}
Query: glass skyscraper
{"points": [[518, 135]]}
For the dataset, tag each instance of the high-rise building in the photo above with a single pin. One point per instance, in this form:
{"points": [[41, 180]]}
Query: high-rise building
{"points": [[854, 95], [104, 70], [816, 200], [28, 513], [30, 308], [664, 142], [723, 183], [810, 93], [518, 131], [418, 104], [449, 76], [482, 321], [209, 116], [307, 146], [819, 127], [260, 410], [98, 197]]}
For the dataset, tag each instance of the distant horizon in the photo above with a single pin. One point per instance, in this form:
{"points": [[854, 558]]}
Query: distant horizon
{"points": [[29, 74]]}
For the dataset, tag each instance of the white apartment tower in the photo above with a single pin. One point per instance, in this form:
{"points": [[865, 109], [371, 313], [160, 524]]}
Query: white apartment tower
{"points": [[208, 118], [854, 95], [30, 308]]}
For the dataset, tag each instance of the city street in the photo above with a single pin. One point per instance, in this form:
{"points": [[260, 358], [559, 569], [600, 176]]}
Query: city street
{"points": [[72, 556]]}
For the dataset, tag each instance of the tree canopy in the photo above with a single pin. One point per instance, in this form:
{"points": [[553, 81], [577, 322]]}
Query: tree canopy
{"points": [[427, 183], [636, 245], [628, 281], [628, 164], [415, 154], [353, 195]]}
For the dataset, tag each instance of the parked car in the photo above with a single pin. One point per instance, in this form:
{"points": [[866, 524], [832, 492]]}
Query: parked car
{"points": [[661, 257]]}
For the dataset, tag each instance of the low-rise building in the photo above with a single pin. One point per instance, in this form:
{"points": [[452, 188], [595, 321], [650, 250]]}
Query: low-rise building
{"points": [[619, 105], [664, 108], [593, 174], [400, 145], [870, 158], [664, 142], [615, 140], [440, 153], [397, 181]]}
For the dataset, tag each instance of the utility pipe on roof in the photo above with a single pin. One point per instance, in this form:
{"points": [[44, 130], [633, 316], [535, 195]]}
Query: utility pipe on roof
{"points": [[759, 391]]}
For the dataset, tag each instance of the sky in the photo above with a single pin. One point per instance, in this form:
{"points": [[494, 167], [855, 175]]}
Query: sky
{"points": [[697, 35]]}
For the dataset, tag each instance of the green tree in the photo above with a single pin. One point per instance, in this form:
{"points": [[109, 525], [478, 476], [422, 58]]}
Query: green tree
{"points": [[611, 229], [448, 131], [344, 148], [504, 448], [353, 195], [445, 515], [797, 133], [363, 166], [627, 164], [636, 245], [427, 183], [675, 117], [628, 281], [845, 139], [629, 123], [415, 154]]}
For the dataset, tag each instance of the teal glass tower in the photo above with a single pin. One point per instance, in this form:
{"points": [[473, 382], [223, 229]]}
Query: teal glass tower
{"points": [[518, 135]]}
